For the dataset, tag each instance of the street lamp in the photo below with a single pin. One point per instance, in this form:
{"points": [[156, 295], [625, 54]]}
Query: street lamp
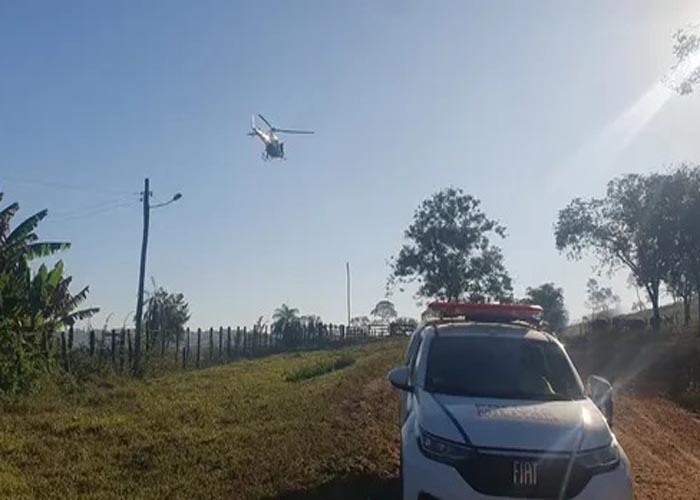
{"points": [[142, 272], [176, 197]]}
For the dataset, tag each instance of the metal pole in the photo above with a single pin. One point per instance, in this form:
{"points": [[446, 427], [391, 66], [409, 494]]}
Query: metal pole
{"points": [[142, 275], [347, 272]]}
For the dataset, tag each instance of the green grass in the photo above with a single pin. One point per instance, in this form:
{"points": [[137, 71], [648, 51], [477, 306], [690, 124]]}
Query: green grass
{"points": [[321, 367], [235, 431]]}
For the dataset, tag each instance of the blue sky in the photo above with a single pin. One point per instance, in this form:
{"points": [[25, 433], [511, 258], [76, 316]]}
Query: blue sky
{"points": [[522, 104]]}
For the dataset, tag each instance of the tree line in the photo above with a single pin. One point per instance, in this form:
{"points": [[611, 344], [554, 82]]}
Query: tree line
{"points": [[647, 224]]}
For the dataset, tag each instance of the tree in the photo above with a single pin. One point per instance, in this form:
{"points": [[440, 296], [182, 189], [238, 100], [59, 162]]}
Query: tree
{"points": [[638, 306], [32, 306], [551, 298], [621, 230], [287, 324], [449, 251], [602, 301], [21, 243], [402, 326], [166, 314], [285, 316], [311, 320], [384, 310], [685, 73], [360, 322], [260, 324], [678, 213], [51, 305]]}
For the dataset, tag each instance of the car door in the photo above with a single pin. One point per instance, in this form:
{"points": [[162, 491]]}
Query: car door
{"points": [[410, 362]]}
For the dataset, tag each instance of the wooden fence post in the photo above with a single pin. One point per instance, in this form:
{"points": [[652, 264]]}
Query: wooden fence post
{"points": [[187, 341], [199, 344], [245, 340], [122, 350], [162, 342], [254, 335], [211, 344], [237, 347], [228, 342], [114, 349], [184, 358], [177, 345], [129, 350], [342, 332], [101, 351], [221, 340], [92, 343]]}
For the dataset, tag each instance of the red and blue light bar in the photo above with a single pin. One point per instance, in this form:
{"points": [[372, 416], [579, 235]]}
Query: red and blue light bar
{"points": [[486, 312]]}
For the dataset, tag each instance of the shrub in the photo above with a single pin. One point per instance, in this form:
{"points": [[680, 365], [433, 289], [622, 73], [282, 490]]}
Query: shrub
{"points": [[20, 367], [320, 368]]}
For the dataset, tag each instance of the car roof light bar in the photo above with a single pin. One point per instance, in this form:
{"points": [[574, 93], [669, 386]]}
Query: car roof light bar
{"points": [[493, 313]]}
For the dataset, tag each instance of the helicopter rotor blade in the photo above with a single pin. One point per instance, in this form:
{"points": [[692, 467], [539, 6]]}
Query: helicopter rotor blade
{"points": [[266, 122], [290, 131]]}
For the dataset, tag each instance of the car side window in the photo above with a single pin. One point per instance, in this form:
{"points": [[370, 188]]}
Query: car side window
{"points": [[413, 347], [417, 361]]}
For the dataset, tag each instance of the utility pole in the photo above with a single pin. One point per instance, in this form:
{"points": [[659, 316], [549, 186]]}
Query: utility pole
{"points": [[146, 195], [347, 273], [138, 334]]}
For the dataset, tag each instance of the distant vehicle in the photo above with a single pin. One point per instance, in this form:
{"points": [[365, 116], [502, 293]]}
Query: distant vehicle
{"points": [[274, 148], [492, 407]]}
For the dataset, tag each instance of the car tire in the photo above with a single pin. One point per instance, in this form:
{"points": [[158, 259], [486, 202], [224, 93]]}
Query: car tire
{"points": [[399, 489]]}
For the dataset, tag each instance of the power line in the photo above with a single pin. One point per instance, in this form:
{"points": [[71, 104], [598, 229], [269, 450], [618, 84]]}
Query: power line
{"points": [[92, 212], [93, 206], [61, 185]]}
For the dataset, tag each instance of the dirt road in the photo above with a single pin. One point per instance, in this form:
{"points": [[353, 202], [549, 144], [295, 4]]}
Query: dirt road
{"points": [[661, 439], [663, 444]]}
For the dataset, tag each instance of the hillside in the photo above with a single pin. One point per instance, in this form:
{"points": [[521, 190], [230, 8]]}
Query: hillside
{"points": [[235, 431], [244, 431]]}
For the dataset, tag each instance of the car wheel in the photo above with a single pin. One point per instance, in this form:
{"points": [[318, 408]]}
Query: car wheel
{"points": [[399, 490]]}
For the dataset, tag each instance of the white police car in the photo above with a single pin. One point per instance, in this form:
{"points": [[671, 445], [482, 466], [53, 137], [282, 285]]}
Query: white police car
{"points": [[493, 407]]}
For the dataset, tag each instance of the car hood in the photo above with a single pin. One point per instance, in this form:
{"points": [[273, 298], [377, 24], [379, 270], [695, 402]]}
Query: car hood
{"points": [[514, 424]]}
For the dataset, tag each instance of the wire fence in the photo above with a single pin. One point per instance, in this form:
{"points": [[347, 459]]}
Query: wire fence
{"points": [[192, 349]]}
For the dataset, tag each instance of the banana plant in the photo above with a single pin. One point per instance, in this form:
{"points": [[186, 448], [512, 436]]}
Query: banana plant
{"points": [[22, 243], [17, 247]]}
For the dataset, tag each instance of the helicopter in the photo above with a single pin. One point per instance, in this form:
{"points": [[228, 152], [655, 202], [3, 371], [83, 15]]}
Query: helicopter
{"points": [[274, 148]]}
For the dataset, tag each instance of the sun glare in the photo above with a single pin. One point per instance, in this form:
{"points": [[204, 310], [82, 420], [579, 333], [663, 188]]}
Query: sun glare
{"points": [[599, 153]]}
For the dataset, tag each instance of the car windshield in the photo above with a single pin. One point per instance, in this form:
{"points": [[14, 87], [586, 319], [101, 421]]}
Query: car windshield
{"points": [[505, 367]]}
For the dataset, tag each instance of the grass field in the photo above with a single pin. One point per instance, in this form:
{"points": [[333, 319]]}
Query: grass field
{"points": [[246, 430]]}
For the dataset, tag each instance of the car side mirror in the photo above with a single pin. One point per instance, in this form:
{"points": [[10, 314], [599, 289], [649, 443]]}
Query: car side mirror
{"points": [[400, 378], [601, 392]]}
